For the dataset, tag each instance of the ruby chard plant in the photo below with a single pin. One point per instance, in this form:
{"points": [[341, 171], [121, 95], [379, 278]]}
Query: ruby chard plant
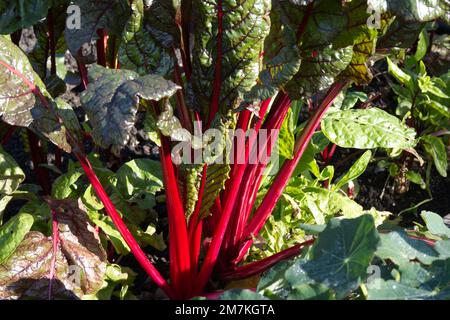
{"points": [[188, 67]]}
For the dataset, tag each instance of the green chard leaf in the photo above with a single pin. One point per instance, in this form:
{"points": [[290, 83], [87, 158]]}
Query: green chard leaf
{"points": [[230, 48], [411, 10], [408, 18], [192, 172], [111, 102], [21, 99], [319, 70], [367, 129], [139, 50], [281, 60], [216, 176], [334, 40], [163, 19]]}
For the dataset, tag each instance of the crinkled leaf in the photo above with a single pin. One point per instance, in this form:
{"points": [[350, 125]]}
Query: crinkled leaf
{"points": [[400, 34], [138, 50], [80, 259], [192, 173], [46, 123], [364, 46], [12, 234], [244, 25], [80, 243], [319, 70], [19, 103], [111, 102], [16, 97], [367, 129], [323, 203], [411, 10], [327, 32], [216, 176], [26, 273], [170, 126], [163, 19], [281, 60], [11, 175], [410, 18]]}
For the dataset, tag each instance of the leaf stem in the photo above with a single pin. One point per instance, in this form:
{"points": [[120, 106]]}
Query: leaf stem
{"points": [[51, 41], [55, 242], [102, 44], [215, 99], [260, 266], [178, 236], [185, 115], [186, 9], [272, 196], [38, 157], [120, 225]]}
